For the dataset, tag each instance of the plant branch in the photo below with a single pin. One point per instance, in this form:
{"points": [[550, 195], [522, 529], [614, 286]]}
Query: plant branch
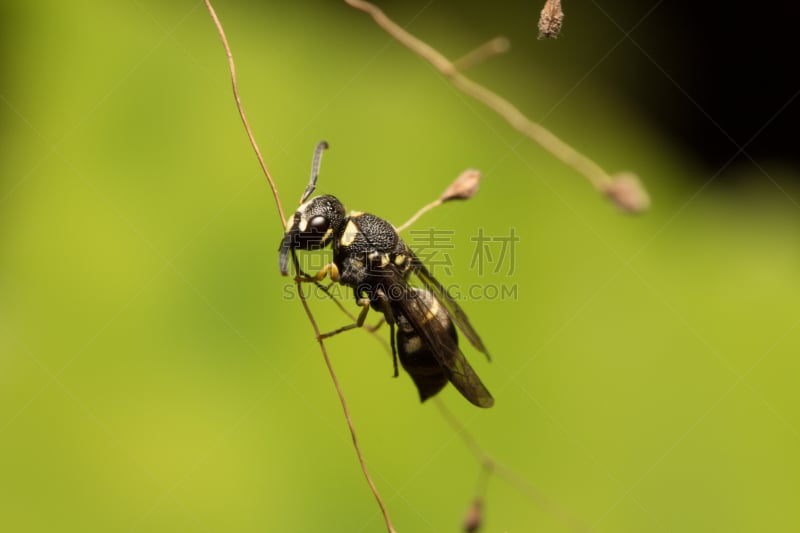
{"points": [[306, 307], [463, 187], [496, 46], [424, 209], [602, 181], [350, 425], [239, 106], [491, 465]]}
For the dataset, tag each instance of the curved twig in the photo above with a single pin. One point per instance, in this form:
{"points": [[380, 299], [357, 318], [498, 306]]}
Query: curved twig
{"points": [[361, 461], [311, 319], [492, 466], [250, 135], [422, 210], [599, 178]]}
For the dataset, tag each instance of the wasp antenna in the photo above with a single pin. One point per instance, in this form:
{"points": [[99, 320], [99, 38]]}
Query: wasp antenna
{"points": [[312, 183]]}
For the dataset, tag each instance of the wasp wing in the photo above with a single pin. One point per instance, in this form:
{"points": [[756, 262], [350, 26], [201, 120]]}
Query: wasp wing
{"points": [[443, 296], [428, 311], [423, 312]]}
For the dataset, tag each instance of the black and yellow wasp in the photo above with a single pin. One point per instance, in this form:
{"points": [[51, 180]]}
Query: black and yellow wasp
{"points": [[371, 258]]}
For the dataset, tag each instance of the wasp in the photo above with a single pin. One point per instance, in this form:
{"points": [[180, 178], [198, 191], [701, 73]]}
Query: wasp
{"points": [[371, 258]]}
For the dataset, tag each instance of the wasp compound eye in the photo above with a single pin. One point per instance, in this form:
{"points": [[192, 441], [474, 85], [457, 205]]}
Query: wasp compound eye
{"points": [[319, 224]]}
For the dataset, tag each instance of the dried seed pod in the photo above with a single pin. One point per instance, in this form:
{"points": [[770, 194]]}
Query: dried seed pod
{"points": [[550, 20], [463, 187], [473, 519]]}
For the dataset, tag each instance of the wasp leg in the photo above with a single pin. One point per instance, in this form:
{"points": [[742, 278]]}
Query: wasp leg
{"points": [[376, 327], [327, 290], [329, 270], [388, 316], [362, 316], [394, 347]]}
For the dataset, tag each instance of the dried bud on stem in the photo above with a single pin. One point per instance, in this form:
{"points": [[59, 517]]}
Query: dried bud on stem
{"points": [[463, 187], [550, 20], [627, 193], [474, 517], [549, 25]]}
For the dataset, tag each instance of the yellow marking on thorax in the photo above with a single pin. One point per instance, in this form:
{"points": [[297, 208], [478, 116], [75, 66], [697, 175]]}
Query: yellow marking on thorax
{"points": [[349, 235]]}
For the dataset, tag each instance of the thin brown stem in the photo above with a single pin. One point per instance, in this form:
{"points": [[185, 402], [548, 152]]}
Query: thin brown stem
{"points": [[598, 177], [306, 307], [239, 106], [422, 211], [498, 45], [491, 466], [346, 411], [463, 187]]}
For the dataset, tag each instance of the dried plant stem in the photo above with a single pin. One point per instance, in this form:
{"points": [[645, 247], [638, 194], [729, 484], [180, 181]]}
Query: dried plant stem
{"points": [[498, 45], [492, 466], [434, 204], [311, 319], [463, 187], [596, 175], [239, 106], [346, 411], [561, 150]]}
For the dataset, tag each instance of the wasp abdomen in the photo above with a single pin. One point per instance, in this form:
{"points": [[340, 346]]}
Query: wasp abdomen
{"points": [[417, 356]]}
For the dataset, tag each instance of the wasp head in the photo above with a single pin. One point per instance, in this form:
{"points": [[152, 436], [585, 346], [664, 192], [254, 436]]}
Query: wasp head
{"points": [[312, 227]]}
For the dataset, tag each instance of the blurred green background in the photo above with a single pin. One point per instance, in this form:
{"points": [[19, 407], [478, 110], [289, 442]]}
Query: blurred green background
{"points": [[155, 376]]}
